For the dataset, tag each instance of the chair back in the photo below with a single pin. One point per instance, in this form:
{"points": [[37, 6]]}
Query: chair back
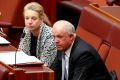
{"points": [[3, 72]]}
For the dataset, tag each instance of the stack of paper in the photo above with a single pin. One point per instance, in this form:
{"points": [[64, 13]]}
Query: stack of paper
{"points": [[10, 58], [3, 41]]}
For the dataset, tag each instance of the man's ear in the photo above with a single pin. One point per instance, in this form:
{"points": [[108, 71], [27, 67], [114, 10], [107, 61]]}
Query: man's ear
{"points": [[71, 35]]}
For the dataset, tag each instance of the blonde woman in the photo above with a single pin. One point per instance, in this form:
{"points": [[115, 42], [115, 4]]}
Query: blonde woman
{"points": [[37, 39]]}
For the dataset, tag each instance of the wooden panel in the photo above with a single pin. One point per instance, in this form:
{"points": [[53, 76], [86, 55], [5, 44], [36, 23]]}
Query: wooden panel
{"points": [[50, 8]]}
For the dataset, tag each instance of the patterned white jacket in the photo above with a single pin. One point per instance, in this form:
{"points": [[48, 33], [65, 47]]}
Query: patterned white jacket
{"points": [[46, 49]]}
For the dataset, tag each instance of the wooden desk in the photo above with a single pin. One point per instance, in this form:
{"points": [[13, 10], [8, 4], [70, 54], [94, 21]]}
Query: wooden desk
{"points": [[27, 72], [7, 48]]}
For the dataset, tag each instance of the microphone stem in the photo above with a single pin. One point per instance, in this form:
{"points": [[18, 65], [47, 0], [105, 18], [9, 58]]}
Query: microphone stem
{"points": [[15, 66]]}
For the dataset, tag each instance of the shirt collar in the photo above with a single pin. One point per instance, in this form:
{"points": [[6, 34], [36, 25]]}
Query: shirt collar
{"points": [[68, 51]]}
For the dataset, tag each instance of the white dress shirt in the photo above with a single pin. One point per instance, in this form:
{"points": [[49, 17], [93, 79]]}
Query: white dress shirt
{"points": [[67, 52]]}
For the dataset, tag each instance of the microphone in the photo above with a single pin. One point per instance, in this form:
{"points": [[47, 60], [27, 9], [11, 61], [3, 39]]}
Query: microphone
{"points": [[22, 36], [15, 65], [2, 32]]}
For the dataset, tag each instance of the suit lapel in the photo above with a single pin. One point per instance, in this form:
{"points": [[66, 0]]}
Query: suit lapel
{"points": [[72, 58], [76, 51]]}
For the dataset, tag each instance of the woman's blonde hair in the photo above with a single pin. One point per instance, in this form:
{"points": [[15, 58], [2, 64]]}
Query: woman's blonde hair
{"points": [[39, 9]]}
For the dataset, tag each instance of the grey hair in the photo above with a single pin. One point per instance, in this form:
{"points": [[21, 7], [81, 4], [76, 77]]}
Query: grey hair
{"points": [[69, 28]]}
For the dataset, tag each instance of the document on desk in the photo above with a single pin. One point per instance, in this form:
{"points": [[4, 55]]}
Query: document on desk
{"points": [[3, 40], [9, 58]]}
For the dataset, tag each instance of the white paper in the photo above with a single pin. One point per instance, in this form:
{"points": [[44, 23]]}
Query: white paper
{"points": [[9, 57], [3, 41]]}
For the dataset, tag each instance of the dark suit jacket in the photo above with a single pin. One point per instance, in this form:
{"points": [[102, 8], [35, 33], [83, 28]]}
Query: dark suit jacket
{"points": [[84, 63]]}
